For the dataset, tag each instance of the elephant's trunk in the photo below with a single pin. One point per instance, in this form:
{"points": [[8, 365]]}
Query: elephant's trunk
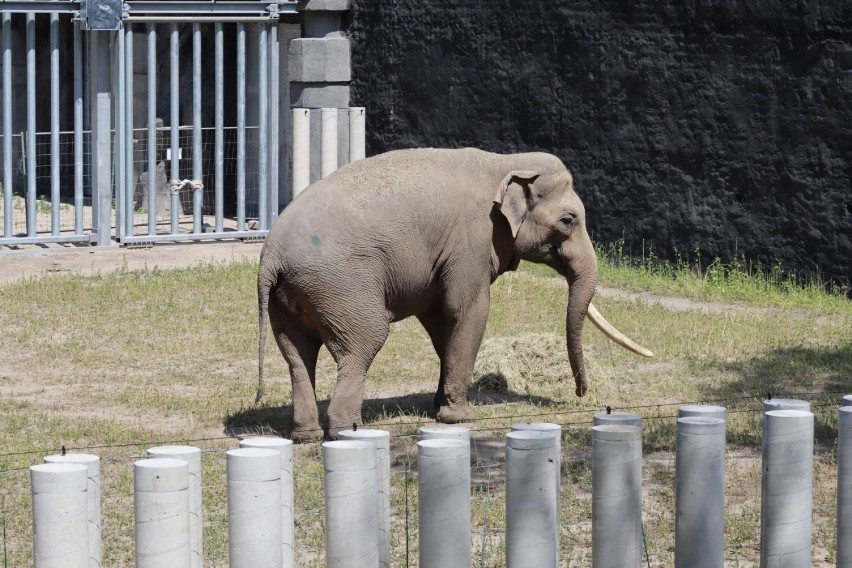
{"points": [[582, 275]]}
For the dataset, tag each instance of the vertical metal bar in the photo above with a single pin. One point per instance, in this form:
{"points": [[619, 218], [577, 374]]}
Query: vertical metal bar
{"points": [[101, 53], [152, 129], [197, 164], [262, 127], [118, 138], [54, 124], [241, 126], [78, 129], [31, 125], [7, 124], [220, 139], [130, 181], [274, 78], [174, 74]]}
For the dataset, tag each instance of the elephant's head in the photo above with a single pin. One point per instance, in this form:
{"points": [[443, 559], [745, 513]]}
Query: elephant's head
{"points": [[548, 223]]}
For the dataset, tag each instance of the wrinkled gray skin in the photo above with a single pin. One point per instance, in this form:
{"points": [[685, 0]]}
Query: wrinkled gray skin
{"points": [[419, 233]]}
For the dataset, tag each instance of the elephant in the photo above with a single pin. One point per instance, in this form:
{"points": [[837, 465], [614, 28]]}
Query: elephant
{"points": [[419, 232]]}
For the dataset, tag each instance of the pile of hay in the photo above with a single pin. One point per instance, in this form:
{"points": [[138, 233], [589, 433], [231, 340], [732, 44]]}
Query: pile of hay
{"points": [[522, 364]]}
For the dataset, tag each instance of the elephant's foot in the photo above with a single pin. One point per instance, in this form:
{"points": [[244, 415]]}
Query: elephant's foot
{"points": [[304, 434], [455, 413]]}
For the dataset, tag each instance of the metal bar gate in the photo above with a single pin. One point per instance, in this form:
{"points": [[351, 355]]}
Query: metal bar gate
{"points": [[158, 122]]}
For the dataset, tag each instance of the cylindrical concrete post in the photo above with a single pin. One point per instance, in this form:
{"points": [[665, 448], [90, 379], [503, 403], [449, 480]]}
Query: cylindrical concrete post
{"points": [[60, 515], [616, 496], [705, 410], [254, 507], [288, 520], [786, 404], [445, 432], [357, 137], [787, 489], [351, 494], [93, 490], [192, 456], [444, 503], [617, 419], [847, 400], [532, 519], [301, 150], [844, 487], [700, 492], [381, 439], [328, 159], [161, 498]]}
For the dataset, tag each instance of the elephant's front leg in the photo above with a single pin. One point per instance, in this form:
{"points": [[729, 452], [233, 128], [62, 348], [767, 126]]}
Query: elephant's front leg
{"points": [[466, 326]]}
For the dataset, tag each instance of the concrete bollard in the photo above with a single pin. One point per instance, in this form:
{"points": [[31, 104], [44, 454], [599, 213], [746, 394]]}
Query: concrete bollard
{"points": [[556, 430], [786, 404], [700, 492], [288, 520], [847, 400], [445, 432], [705, 410], [301, 151], [844, 487], [328, 153], [787, 488], [254, 507], [444, 503], [532, 520], [60, 515], [93, 491], [381, 439], [357, 136], [617, 419], [192, 456], [616, 496], [161, 496]]}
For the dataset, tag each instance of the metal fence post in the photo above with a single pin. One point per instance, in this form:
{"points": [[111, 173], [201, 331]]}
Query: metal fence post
{"points": [[101, 117]]}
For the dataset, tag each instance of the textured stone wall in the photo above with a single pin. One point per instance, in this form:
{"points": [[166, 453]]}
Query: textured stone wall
{"points": [[719, 125]]}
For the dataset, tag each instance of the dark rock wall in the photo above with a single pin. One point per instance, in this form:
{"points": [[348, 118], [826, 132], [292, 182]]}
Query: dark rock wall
{"points": [[723, 126]]}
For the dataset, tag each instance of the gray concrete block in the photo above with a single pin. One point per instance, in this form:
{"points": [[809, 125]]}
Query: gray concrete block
{"points": [[322, 24], [319, 95], [313, 60], [338, 5]]}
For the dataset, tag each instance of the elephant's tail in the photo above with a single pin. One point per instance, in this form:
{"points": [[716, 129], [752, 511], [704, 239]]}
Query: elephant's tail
{"points": [[264, 285]]}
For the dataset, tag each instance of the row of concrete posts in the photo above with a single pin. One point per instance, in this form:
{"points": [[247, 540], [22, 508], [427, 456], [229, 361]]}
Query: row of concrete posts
{"points": [[66, 497]]}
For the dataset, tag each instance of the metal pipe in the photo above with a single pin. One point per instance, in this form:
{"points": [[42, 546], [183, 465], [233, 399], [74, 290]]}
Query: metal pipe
{"points": [[7, 124], [31, 126], [263, 127], [174, 81], [152, 129], [274, 84], [241, 127], [161, 498], [532, 519], [192, 456], [787, 489], [145, 239], [700, 492], [219, 162], [197, 155], [351, 495], [129, 181], [288, 524], [93, 497], [380, 439], [118, 80], [616, 496], [54, 124], [301, 150], [844, 486], [78, 128], [357, 135], [60, 515], [328, 154]]}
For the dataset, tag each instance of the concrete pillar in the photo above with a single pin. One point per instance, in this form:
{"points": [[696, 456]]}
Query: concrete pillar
{"points": [[161, 496], [786, 404], [844, 486], [381, 439], [532, 519], [445, 432], [444, 503], [254, 507], [60, 515], [787, 488], [617, 418], [328, 159], [700, 492], [192, 456], [351, 494], [301, 150], [288, 521], [705, 410], [847, 400], [616, 496], [357, 133], [93, 491]]}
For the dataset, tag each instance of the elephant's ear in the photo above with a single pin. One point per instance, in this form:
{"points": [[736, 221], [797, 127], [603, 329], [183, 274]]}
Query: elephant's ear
{"points": [[513, 197]]}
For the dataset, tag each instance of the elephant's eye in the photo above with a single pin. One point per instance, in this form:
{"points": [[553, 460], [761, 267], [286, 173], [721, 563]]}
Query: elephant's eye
{"points": [[567, 221]]}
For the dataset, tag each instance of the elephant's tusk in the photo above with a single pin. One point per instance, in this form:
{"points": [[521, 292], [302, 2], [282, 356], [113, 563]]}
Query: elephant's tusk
{"points": [[607, 328]]}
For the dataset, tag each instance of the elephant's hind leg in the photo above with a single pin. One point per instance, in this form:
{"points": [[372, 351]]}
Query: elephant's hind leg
{"points": [[300, 350]]}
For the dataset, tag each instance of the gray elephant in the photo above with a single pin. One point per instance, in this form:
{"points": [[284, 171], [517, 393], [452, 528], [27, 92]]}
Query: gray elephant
{"points": [[421, 233]]}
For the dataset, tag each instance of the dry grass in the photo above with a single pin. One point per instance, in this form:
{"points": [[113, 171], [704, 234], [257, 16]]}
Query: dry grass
{"points": [[116, 363]]}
